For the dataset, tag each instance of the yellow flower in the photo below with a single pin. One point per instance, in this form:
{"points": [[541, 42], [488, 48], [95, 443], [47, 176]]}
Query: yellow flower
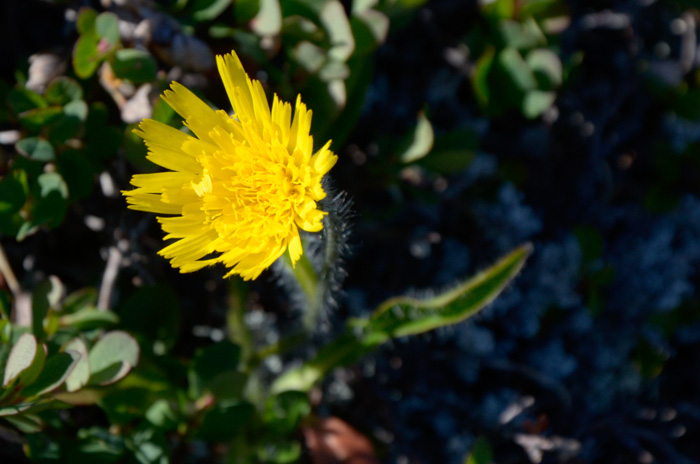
{"points": [[239, 191]]}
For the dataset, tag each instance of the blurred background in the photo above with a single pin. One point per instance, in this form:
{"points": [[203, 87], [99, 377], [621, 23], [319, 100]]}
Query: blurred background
{"points": [[463, 129]]}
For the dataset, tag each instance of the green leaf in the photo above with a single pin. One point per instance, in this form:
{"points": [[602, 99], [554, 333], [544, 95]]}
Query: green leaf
{"points": [[537, 102], [89, 318], [21, 357], [21, 100], [36, 119], [63, 90], [335, 22], [86, 20], [214, 369], [134, 65], [214, 359], [85, 56], [50, 182], [285, 411], [480, 81], [268, 21], [45, 297], [36, 149], [206, 10], [107, 27], [13, 193], [498, 10], [402, 316], [547, 68], [481, 452], [162, 415], [80, 374], [58, 367], [77, 172], [153, 311], [62, 129], [420, 140], [522, 36], [77, 109], [245, 10], [112, 357], [26, 423], [222, 424], [517, 70], [34, 370], [51, 207]]}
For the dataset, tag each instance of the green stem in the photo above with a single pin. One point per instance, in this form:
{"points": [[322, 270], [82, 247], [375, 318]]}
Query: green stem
{"points": [[238, 332], [309, 282]]}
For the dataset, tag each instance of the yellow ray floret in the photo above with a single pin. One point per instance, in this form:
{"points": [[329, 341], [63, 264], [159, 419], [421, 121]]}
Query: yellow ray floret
{"points": [[239, 190]]}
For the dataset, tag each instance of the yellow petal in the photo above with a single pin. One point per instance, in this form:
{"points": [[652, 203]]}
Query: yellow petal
{"points": [[295, 249], [199, 117]]}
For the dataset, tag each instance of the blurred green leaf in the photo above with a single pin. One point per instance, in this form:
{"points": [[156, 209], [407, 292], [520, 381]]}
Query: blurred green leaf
{"points": [[221, 424], [86, 20], [498, 10], [547, 68], [112, 357], [522, 36], [21, 357], [284, 412], [268, 21], [26, 423], [52, 182], [245, 10], [214, 359], [76, 171], [80, 375], [162, 415], [34, 370], [64, 128], [311, 57], [134, 65], [51, 207], [537, 102], [63, 90], [13, 192], [153, 311], [419, 142], [79, 299], [85, 56], [206, 10], [336, 23], [36, 149], [480, 81], [517, 70], [452, 151], [21, 100], [107, 27], [45, 297], [77, 109], [37, 118], [481, 452], [58, 367], [89, 318]]}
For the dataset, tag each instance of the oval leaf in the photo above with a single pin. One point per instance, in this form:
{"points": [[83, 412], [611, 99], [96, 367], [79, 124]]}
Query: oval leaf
{"points": [[112, 357], [80, 375], [21, 357], [58, 368]]}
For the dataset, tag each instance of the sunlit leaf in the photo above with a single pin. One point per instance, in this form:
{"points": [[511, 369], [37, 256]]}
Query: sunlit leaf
{"points": [[21, 357], [420, 140]]}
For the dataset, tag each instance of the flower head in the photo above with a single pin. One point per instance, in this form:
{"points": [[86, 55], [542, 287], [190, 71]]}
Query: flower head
{"points": [[239, 190]]}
